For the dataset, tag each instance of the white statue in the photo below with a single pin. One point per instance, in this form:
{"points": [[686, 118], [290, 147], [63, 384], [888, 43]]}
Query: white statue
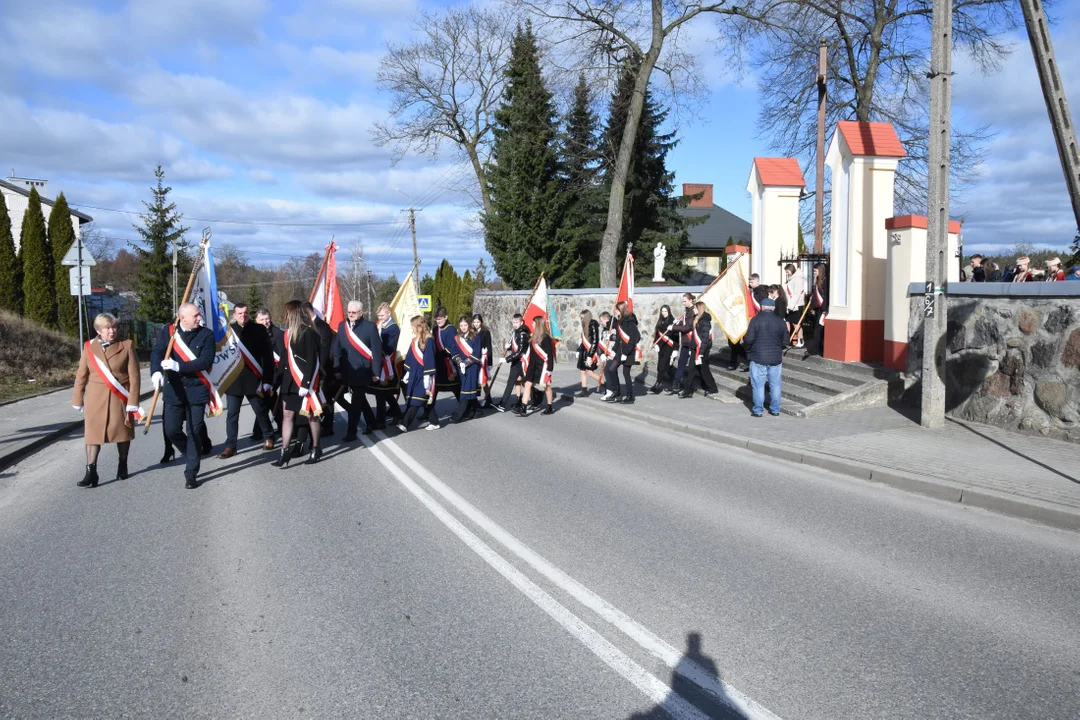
{"points": [[659, 254]]}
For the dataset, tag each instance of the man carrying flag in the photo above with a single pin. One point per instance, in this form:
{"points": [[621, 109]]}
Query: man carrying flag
{"points": [[254, 382]]}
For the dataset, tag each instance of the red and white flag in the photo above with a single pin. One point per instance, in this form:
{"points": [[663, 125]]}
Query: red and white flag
{"points": [[538, 303], [626, 285], [325, 296]]}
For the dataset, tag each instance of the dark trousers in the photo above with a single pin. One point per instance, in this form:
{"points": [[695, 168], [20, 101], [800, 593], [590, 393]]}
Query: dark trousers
{"points": [[736, 352], [816, 344], [188, 445], [357, 406], [410, 414], [232, 419], [611, 376], [273, 408], [699, 374], [466, 408], [384, 399], [430, 407], [628, 391], [511, 383], [680, 371], [204, 438], [663, 364]]}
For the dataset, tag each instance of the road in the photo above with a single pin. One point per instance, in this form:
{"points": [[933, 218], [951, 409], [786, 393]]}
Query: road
{"points": [[571, 566]]}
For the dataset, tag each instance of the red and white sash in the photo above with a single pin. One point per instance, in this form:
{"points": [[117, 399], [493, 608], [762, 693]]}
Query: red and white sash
{"points": [[663, 338], [545, 376], [311, 404], [819, 297], [697, 343], [249, 359], [626, 339], [114, 385], [418, 356], [753, 299], [184, 352], [354, 340], [464, 346]]}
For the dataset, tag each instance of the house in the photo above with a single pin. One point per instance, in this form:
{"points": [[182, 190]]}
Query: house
{"points": [[707, 239], [16, 193]]}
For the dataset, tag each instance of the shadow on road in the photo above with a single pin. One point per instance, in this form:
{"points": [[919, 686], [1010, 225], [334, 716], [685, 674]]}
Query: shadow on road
{"points": [[695, 681]]}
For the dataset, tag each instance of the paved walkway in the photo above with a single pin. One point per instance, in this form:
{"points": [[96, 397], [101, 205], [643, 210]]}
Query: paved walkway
{"points": [[1033, 477], [26, 425]]}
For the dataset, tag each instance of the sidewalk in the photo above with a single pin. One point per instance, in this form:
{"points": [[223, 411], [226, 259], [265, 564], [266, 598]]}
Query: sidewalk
{"points": [[27, 425], [979, 465]]}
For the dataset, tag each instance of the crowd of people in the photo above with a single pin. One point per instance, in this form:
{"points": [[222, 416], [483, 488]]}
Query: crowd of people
{"points": [[981, 270], [294, 375]]}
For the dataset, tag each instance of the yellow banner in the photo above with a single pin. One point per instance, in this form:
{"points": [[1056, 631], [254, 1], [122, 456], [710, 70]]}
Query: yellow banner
{"points": [[726, 299], [405, 306]]}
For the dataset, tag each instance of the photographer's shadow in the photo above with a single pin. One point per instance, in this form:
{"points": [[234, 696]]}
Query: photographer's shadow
{"points": [[696, 682]]}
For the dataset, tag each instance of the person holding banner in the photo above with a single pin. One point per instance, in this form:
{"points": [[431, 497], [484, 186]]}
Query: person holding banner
{"points": [[254, 383], [628, 338], [419, 372], [540, 364], [358, 362], [301, 391], [187, 387], [387, 385], [107, 393]]}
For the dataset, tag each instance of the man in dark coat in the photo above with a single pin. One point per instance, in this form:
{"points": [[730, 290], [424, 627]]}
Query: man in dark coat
{"points": [[685, 327], [254, 382], [765, 340], [277, 346], [357, 363], [516, 347], [185, 392]]}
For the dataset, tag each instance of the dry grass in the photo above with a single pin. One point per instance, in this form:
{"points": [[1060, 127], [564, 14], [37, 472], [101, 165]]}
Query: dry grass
{"points": [[33, 358]]}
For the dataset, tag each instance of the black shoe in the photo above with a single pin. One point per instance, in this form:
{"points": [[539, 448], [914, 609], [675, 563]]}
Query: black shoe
{"points": [[283, 461], [379, 426], [755, 415], [628, 400], [121, 469], [655, 389], [191, 483], [90, 479], [349, 437], [170, 453], [671, 391], [367, 431], [315, 456], [708, 393], [207, 448], [685, 395], [583, 392], [774, 414], [520, 411], [548, 411]]}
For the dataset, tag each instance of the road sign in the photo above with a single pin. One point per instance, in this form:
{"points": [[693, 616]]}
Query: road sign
{"points": [[425, 302], [71, 259], [73, 281]]}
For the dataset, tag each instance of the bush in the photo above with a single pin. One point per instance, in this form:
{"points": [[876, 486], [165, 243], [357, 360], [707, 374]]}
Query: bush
{"points": [[34, 357]]}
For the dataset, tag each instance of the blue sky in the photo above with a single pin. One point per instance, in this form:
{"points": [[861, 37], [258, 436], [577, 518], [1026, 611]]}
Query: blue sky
{"points": [[260, 113]]}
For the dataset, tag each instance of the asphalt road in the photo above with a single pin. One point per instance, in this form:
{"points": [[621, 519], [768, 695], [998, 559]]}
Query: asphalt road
{"points": [[572, 566]]}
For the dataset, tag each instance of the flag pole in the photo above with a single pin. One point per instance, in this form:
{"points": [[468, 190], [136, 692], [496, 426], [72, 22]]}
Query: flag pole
{"points": [[203, 244]]}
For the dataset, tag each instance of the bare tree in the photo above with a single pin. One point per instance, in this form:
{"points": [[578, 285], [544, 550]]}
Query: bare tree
{"points": [[445, 86], [878, 58], [642, 36]]}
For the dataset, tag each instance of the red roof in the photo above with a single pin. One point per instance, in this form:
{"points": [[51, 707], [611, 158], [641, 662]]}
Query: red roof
{"points": [[784, 172], [876, 139]]}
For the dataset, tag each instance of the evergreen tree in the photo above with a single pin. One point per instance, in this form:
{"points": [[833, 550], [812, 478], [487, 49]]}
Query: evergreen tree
{"points": [[254, 297], [427, 285], [11, 298], [1074, 260], [521, 231], [160, 229], [650, 211], [586, 211], [451, 291], [39, 278], [61, 238]]}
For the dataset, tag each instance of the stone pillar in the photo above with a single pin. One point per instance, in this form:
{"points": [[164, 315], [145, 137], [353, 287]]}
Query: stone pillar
{"points": [[863, 158], [906, 265], [775, 186]]}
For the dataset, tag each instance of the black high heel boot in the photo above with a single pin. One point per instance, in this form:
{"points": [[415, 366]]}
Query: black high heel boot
{"points": [[283, 461], [316, 455], [170, 452], [90, 479], [121, 469]]}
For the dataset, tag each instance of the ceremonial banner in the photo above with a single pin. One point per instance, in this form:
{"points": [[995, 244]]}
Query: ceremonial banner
{"points": [[537, 306], [228, 363], [404, 307], [626, 285], [325, 296], [729, 300]]}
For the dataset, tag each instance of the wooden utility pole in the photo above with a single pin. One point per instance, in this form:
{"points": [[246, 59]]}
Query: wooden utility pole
{"points": [[935, 310], [412, 226], [1054, 94], [819, 193]]}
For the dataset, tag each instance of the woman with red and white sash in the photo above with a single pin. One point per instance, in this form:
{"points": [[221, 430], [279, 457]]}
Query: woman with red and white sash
{"points": [[107, 393], [541, 365], [419, 373], [588, 353], [483, 336], [299, 373], [467, 355]]}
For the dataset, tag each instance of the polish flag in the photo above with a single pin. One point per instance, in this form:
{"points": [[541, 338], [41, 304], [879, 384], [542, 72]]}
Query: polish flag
{"points": [[325, 296], [538, 303], [626, 285]]}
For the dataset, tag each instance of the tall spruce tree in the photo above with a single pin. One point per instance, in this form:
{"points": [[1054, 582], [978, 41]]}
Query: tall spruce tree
{"points": [[39, 279], [521, 231], [160, 229], [61, 238], [586, 203], [650, 210], [254, 297], [11, 297]]}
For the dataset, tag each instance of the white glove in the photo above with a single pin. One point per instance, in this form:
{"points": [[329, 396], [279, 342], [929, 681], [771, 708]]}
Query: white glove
{"points": [[131, 409], [157, 380], [267, 387], [170, 364], [502, 360], [622, 359], [697, 361], [462, 366], [77, 408], [304, 392]]}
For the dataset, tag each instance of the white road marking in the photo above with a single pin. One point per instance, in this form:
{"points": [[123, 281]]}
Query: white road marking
{"points": [[652, 643], [655, 689]]}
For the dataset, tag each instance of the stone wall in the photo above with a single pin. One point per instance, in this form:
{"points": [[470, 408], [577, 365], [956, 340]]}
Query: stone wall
{"points": [[1011, 361], [498, 309]]}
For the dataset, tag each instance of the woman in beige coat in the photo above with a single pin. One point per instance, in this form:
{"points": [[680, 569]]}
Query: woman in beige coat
{"points": [[109, 418]]}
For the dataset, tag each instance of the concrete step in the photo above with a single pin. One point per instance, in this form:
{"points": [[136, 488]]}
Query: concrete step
{"points": [[788, 391], [812, 380]]}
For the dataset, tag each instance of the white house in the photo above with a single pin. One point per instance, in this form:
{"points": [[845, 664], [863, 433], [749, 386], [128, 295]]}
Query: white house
{"points": [[16, 193]]}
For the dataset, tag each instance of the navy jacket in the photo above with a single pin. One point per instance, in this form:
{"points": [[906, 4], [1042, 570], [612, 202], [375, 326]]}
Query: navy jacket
{"points": [[766, 338], [356, 368], [184, 387], [257, 341]]}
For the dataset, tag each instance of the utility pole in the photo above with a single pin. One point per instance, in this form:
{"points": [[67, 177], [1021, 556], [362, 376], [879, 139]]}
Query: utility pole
{"points": [[1054, 94], [935, 310], [412, 226], [819, 193]]}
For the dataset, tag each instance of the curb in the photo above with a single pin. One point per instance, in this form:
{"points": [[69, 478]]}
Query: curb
{"points": [[1003, 503]]}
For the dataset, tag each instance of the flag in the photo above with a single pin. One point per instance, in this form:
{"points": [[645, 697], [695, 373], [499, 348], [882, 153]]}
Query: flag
{"points": [[626, 285], [538, 303], [227, 360], [553, 322], [729, 300], [404, 307], [325, 296]]}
